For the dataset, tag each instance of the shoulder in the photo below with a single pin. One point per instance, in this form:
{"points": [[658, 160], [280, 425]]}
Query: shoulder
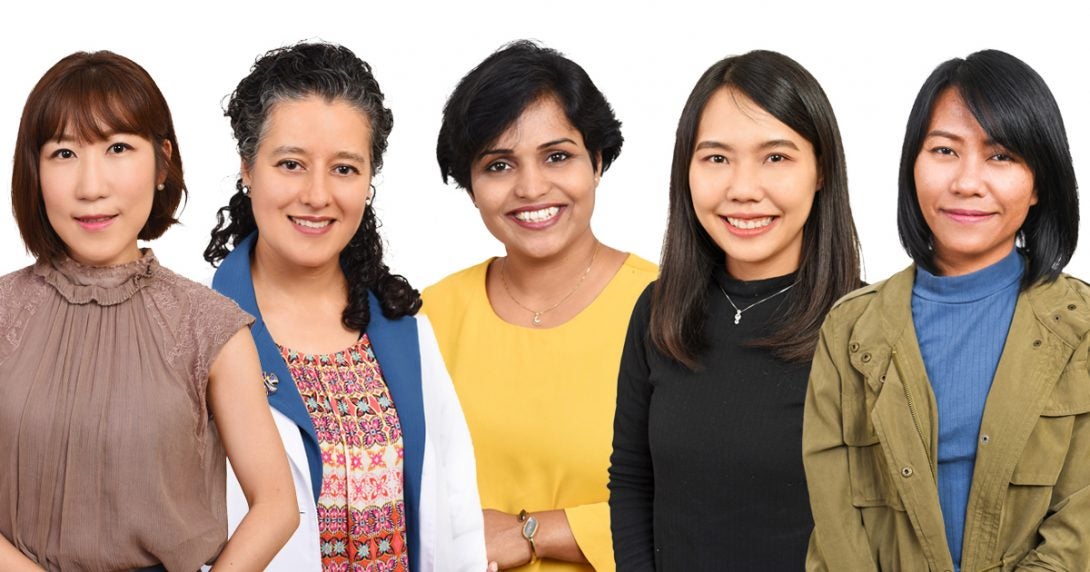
{"points": [[21, 292], [457, 286], [640, 268], [200, 301], [1063, 305], [869, 303]]}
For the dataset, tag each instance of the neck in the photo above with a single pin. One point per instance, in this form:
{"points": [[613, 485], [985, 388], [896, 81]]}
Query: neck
{"points": [[275, 277], [544, 280], [949, 264]]}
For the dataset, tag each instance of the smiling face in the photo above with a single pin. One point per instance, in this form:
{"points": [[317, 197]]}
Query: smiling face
{"points": [[974, 193], [534, 185], [309, 181], [752, 180], [98, 195]]}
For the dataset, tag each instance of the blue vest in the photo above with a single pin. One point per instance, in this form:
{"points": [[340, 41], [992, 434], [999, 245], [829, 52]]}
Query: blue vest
{"points": [[397, 348]]}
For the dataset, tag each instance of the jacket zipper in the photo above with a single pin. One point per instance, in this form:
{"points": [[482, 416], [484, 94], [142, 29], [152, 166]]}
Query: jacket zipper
{"points": [[908, 397]]}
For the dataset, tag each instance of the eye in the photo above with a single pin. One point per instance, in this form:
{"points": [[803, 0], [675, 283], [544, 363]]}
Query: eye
{"points": [[62, 154], [776, 158], [119, 148], [289, 165], [346, 170], [716, 159], [940, 150], [557, 157], [498, 167], [1006, 157]]}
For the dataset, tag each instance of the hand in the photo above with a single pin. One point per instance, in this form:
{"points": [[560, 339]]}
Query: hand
{"points": [[503, 539]]}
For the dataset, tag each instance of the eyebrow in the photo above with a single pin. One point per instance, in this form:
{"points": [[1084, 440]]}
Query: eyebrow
{"points": [[770, 144], [954, 137], [505, 151], [293, 150]]}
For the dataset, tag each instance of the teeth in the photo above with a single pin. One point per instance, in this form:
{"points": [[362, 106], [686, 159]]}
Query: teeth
{"points": [[311, 223], [749, 223], [537, 216], [95, 219]]}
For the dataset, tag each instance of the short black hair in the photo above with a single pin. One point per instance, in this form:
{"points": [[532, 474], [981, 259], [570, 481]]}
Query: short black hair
{"points": [[1014, 106], [492, 96]]}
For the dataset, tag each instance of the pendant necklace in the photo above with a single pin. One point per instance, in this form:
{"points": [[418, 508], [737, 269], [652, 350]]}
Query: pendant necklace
{"points": [[738, 312], [536, 320]]}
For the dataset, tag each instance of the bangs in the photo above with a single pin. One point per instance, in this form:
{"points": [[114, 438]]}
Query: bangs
{"points": [[92, 103]]}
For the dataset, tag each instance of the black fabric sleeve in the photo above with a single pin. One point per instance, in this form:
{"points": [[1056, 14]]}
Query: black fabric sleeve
{"points": [[631, 473]]}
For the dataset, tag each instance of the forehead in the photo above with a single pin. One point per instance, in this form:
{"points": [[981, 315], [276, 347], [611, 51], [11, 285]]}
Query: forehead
{"points": [[541, 121], [951, 113], [314, 122], [730, 116]]}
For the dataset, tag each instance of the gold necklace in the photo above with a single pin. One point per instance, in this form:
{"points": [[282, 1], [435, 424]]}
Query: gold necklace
{"points": [[536, 320]]}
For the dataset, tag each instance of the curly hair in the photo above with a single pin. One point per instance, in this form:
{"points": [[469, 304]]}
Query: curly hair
{"points": [[333, 73]]}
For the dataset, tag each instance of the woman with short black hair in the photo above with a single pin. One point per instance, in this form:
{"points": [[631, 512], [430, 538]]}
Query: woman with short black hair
{"points": [[528, 135], [947, 424]]}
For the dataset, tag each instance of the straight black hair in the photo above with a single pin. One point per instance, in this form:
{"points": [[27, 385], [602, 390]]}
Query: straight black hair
{"points": [[829, 265], [494, 94], [1014, 106]]}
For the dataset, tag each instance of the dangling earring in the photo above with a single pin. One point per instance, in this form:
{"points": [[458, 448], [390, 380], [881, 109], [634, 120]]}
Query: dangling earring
{"points": [[371, 198], [160, 187]]}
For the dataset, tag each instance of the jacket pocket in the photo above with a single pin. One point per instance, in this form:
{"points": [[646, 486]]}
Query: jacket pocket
{"points": [[1046, 449]]}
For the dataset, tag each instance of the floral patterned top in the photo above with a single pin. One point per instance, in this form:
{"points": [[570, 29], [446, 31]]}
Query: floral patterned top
{"points": [[361, 509]]}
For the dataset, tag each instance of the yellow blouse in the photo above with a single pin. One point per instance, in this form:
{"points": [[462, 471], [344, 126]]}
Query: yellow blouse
{"points": [[540, 402]]}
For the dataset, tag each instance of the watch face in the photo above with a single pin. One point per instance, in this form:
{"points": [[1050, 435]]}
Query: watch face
{"points": [[529, 528]]}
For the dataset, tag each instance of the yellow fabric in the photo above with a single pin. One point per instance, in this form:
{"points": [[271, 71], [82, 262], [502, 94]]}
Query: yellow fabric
{"points": [[540, 402]]}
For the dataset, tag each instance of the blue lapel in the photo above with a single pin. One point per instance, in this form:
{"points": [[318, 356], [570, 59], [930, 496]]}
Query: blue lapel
{"points": [[233, 279], [397, 348]]}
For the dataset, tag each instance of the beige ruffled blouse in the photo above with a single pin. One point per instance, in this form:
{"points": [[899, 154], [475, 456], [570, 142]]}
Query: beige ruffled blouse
{"points": [[108, 458]]}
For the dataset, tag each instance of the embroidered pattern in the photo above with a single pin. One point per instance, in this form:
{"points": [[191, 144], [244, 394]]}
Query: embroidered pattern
{"points": [[361, 509]]}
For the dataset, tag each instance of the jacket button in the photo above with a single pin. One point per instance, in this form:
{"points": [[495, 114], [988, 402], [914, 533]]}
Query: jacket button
{"points": [[985, 439], [1036, 343], [1071, 306], [853, 347], [882, 379], [865, 358], [272, 383], [906, 472]]}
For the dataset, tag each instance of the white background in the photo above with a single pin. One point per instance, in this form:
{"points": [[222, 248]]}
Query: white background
{"points": [[645, 56]]}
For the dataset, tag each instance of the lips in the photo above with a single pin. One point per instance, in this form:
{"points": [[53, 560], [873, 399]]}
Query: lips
{"points": [[311, 224], [95, 222], [967, 216], [748, 225], [536, 216]]}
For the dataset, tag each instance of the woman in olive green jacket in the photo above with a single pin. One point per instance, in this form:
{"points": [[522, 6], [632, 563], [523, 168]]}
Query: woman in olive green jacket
{"points": [[910, 464]]}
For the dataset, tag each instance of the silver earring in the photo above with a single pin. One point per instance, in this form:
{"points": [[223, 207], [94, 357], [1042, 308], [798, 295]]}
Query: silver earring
{"points": [[245, 189], [160, 187]]}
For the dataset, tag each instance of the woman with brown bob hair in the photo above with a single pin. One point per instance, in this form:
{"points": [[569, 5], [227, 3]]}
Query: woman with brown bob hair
{"points": [[112, 367]]}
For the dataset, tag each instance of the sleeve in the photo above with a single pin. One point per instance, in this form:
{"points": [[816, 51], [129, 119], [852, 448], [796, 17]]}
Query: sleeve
{"points": [[839, 541], [1065, 534], [589, 525], [215, 320], [457, 523], [631, 474]]}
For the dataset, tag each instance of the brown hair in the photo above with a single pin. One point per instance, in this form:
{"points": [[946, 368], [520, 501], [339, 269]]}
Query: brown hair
{"points": [[88, 96]]}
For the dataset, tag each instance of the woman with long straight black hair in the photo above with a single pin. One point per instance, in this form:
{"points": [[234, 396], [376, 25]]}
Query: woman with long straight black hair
{"points": [[706, 468]]}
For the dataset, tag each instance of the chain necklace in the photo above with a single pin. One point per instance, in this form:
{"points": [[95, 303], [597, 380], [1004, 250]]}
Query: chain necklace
{"points": [[536, 320], [738, 312]]}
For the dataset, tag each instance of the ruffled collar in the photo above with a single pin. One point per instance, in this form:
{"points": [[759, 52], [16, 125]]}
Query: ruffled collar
{"points": [[105, 286]]}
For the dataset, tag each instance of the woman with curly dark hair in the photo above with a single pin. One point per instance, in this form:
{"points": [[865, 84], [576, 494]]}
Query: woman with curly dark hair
{"points": [[351, 373]]}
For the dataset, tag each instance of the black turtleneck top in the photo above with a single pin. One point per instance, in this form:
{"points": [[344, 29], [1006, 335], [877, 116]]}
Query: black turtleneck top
{"points": [[706, 472]]}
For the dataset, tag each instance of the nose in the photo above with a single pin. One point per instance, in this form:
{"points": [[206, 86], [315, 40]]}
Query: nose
{"points": [[92, 183], [968, 180], [532, 182], [316, 192], [745, 184]]}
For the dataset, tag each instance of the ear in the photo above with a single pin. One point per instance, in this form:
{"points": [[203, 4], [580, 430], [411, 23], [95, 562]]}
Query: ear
{"points": [[598, 169], [1033, 197], [244, 171], [820, 180], [167, 151]]}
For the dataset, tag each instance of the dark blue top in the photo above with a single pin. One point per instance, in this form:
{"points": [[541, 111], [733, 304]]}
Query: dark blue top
{"points": [[962, 323]]}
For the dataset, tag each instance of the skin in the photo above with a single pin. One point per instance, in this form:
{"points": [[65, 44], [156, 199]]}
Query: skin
{"points": [[540, 162], [312, 164], [116, 177], [974, 193], [98, 194], [749, 169]]}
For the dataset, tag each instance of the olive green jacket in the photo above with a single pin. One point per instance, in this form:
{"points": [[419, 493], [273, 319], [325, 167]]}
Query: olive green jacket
{"points": [[870, 440]]}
